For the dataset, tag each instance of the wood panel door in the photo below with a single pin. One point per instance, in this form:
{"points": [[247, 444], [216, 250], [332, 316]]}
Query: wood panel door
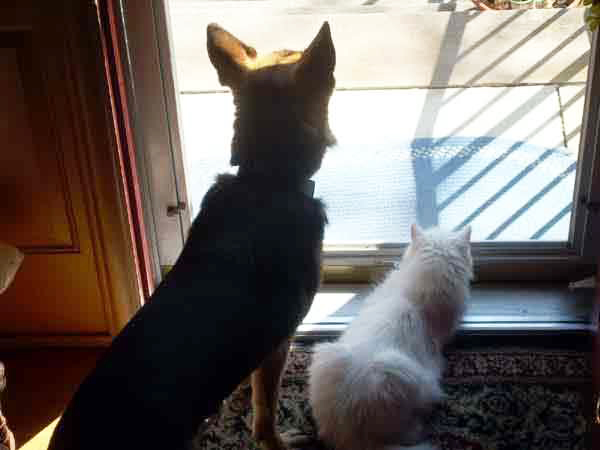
{"points": [[62, 199]]}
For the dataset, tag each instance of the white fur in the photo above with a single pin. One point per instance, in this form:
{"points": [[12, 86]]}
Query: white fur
{"points": [[371, 389]]}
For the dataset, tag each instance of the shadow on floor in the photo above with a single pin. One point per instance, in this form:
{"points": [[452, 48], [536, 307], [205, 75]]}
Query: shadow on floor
{"points": [[39, 384]]}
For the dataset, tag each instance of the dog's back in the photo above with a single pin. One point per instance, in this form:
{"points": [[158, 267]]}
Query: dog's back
{"points": [[180, 355]]}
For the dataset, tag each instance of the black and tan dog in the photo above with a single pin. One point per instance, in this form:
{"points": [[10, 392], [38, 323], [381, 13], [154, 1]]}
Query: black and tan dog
{"points": [[245, 279]]}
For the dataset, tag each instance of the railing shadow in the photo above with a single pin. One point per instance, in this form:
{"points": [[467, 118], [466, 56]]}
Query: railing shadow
{"points": [[427, 179]]}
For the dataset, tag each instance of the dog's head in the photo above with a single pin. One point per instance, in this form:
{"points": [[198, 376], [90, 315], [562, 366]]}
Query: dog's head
{"points": [[281, 127]]}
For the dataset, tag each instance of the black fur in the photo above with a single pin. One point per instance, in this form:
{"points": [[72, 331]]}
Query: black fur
{"points": [[238, 289]]}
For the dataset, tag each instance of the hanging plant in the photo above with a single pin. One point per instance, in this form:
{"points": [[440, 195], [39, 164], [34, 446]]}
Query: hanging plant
{"points": [[592, 12], [592, 16]]}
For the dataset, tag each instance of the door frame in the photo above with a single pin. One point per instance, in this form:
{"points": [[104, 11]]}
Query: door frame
{"points": [[113, 47], [146, 58]]}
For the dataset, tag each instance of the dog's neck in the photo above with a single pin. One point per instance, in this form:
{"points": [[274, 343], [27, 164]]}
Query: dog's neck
{"points": [[307, 187]]}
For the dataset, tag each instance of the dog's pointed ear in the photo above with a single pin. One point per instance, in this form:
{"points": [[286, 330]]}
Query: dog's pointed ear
{"points": [[229, 55], [416, 234], [315, 67]]}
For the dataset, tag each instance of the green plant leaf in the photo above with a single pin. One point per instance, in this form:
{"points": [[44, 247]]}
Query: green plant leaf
{"points": [[592, 22]]}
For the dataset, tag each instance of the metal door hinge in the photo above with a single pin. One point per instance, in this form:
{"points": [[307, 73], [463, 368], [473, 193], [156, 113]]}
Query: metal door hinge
{"points": [[591, 206], [173, 210]]}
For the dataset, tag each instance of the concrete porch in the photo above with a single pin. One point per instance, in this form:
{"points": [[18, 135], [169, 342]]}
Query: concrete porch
{"points": [[444, 114]]}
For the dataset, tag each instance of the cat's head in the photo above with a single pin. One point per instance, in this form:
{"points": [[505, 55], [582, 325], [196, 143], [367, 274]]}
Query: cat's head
{"points": [[442, 250], [440, 268]]}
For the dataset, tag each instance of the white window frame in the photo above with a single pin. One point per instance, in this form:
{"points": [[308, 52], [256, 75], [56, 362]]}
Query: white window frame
{"points": [[148, 55]]}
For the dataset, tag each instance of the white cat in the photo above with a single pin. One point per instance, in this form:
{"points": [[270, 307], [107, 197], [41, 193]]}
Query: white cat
{"points": [[371, 389]]}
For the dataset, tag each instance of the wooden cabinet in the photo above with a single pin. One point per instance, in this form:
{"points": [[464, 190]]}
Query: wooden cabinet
{"points": [[62, 199]]}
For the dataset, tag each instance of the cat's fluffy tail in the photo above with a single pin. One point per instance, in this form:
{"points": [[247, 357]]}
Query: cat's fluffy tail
{"points": [[362, 396]]}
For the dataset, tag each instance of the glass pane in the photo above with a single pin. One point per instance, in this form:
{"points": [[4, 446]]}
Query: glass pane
{"points": [[444, 114]]}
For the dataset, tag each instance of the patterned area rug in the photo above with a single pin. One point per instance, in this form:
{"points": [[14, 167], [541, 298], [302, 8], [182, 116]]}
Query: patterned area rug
{"points": [[496, 400]]}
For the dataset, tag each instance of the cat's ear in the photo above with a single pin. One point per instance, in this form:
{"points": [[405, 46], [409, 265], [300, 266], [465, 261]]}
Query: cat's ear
{"points": [[416, 234], [465, 234], [230, 56]]}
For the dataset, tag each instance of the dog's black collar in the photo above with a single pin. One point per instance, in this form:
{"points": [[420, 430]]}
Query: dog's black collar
{"points": [[306, 187]]}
